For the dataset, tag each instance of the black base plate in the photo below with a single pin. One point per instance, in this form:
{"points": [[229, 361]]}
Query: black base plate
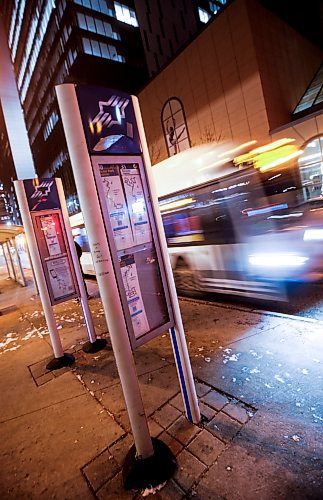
{"points": [[56, 363], [141, 473], [96, 346]]}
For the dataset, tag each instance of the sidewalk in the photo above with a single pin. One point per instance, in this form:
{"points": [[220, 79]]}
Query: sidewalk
{"points": [[64, 434]]}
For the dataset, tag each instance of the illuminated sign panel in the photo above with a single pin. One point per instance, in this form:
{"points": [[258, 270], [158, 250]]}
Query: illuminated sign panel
{"points": [[44, 205], [112, 135], [108, 120]]}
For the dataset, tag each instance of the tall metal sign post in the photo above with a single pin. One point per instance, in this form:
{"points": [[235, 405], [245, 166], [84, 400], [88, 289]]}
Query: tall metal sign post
{"points": [[54, 259], [110, 161]]}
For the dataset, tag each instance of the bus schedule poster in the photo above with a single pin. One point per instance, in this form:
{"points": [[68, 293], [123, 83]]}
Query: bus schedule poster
{"points": [[134, 297], [136, 203], [55, 255], [117, 206], [60, 278]]}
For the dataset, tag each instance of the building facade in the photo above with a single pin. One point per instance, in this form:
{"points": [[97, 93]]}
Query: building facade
{"points": [[167, 25], [82, 41], [242, 78]]}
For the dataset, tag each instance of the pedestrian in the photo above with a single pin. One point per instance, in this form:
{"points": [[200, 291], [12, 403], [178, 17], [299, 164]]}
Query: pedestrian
{"points": [[79, 252]]}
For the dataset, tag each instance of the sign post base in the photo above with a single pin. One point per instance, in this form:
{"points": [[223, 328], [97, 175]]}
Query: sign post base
{"points": [[56, 363], [93, 347], [139, 473]]}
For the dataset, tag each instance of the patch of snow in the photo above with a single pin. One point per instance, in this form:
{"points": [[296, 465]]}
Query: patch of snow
{"points": [[152, 491]]}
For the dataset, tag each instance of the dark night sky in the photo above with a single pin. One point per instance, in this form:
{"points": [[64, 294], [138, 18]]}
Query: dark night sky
{"points": [[306, 16]]}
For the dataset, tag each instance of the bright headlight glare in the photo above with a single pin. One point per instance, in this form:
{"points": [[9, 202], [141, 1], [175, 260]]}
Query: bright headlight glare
{"points": [[277, 259], [313, 234]]}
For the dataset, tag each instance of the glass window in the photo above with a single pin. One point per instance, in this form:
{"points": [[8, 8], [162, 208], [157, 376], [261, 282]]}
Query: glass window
{"points": [[90, 23], [125, 14], [99, 26], [313, 94], [81, 21], [174, 126], [96, 48], [104, 50], [203, 15], [311, 169], [113, 52], [108, 30], [87, 46], [213, 7], [95, 5]]}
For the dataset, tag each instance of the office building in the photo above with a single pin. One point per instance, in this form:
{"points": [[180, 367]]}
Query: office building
{"points": [[167, 25], [247, 76], [82, 41]]}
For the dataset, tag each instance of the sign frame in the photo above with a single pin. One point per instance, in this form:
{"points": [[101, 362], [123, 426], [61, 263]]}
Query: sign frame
{"points": [[120, 161]]}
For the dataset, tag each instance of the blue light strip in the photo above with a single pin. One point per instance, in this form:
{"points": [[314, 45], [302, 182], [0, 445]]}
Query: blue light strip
{"points": [[181, 375]]}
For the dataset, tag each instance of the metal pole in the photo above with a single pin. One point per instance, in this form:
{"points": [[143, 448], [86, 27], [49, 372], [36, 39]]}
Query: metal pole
{"points": [[5, 258], [181, 355], [84, 301], [21, 271], [32, 269], [11, 262], [36, 262], [106, 279]]}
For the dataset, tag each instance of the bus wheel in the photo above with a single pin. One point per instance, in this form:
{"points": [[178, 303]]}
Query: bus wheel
{"points": [[186, 280]]}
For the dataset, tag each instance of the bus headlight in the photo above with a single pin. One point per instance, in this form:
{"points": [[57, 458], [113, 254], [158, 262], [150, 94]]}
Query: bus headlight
{"points": [[277, 259], [313, 234]]}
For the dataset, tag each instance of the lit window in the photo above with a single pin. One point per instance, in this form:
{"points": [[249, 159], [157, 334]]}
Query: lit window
{"points": [[87, 46], [96, 48], [98, 5], [18, 28], [96, 26], [213, 7], [101, 49], [203, 15], [49, 127], [125, 14], [100, 27], [311, 169], [37, 43], [81, 21], [104, 50], [113, 52], [313, 94]]}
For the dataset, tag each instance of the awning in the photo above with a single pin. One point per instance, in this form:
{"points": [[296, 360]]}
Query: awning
{"points": [[9, 232]]}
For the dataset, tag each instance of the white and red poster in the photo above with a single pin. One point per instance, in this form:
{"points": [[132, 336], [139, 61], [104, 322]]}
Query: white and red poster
{"points": [[49, 224]]}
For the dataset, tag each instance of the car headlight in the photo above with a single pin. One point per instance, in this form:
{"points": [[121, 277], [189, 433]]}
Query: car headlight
{"points": [[277, 259]]}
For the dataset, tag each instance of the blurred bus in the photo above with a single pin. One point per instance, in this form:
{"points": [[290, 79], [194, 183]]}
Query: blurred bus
{"points": [[221, 213], [229, 214]]}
